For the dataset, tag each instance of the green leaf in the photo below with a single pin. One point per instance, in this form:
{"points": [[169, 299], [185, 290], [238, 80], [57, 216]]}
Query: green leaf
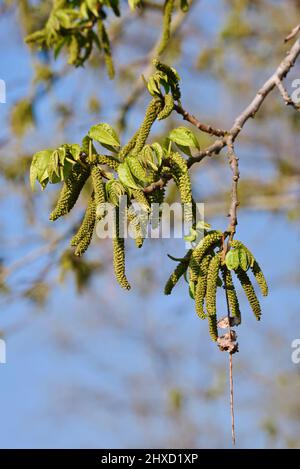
{"points": [[244, 259], [133, 4], [158, 152], [126, 177], [184, 137], [232, 259], [153, 86], [53, 167], [105, 134], [74, 150], [114, 190], [39, 167], [93, 6], [192, 289], [185, 150]]}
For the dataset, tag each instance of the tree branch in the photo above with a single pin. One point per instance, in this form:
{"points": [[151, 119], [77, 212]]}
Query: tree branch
{"points": [[234, 164], [249, 112], [293, 33], [193, 120]]}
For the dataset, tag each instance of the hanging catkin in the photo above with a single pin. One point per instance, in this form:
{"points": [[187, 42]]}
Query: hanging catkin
{"points": [[168, 107], [201, 285], [210, 241], [211, 289], [213, 327], [166, 31], [139, 196], [70, 191], [260, 278], [98, 185], [83, 237], [135, 224], [231, 293], [250, 293], [152, 112], [177, 273], [105, 46], [119, 254], [180, 172], [129, 146], [108, 160]]}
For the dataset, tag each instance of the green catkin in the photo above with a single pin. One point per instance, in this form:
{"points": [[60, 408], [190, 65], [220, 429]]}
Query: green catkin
{"points": [[211, 240], [119, 254], [180, 172], [70, 191], [231, 294], [201, 286], [213, 327], [166, 30], [133, 219], [211, 289], [129, 146], [105, 46], [98, 186], [260, 278], [255, 267], [83, 237], [249, 291], [173, 78], [177, 273], [108, 161], [168, 107], [152, 112], [139, 196], [156, 197]]}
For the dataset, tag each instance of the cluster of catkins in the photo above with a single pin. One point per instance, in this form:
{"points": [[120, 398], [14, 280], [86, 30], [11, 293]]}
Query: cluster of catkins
{"points": [[79, 25], [204, 263], [137, 165]]}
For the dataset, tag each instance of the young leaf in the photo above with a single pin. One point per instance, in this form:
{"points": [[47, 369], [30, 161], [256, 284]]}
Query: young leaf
{"points": [[184, 137], [158, 152], [126, 177], [133, 4], [93, 6], [232, 259], [105, 134], [192, 289], [38, 168]]}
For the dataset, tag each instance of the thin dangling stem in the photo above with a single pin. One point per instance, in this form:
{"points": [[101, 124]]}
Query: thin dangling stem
{"points": [[231, 387]]}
